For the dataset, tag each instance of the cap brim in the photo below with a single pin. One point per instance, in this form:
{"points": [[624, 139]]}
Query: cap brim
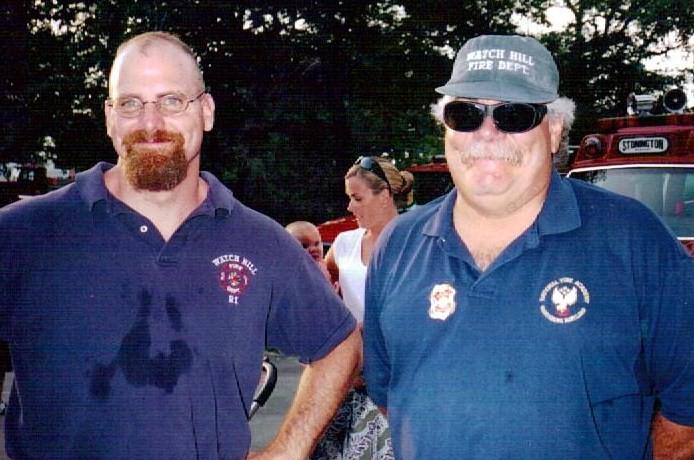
{"points": [[498, 91]]}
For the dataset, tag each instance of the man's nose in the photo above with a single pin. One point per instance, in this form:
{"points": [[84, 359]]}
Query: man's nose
{"points": [[151, 117], [488, 130]]}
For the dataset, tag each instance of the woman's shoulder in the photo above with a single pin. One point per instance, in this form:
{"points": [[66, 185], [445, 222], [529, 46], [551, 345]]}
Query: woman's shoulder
{"points": [[347, 240], [350, 236]]}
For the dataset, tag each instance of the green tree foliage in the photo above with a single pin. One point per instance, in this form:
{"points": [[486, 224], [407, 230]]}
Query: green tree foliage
{"points": [[601, 54], [301, 87], [15, 139]]}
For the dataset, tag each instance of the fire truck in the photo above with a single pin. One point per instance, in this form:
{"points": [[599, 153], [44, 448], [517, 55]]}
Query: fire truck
{"points": [[647, 155], [431, 180]]}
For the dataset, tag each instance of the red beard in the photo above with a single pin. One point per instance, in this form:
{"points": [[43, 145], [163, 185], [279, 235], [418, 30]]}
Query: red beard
{"points": [[154, 168]]}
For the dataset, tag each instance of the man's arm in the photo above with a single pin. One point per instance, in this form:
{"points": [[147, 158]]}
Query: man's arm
{"points": [[671, 441], [321, 389]]}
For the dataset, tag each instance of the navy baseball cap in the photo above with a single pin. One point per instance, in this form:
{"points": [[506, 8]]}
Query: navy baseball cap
{"points": [[507, 68]]}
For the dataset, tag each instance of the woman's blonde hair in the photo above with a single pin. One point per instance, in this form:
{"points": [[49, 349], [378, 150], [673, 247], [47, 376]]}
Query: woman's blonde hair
{"points": [[399, 182]]}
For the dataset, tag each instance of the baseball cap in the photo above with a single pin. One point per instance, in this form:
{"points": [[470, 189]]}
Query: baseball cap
{"points": [[507, 68]]}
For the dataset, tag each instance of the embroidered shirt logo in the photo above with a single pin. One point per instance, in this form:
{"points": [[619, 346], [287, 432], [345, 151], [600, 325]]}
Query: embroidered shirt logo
{"points": [[442, 301], [564, 300], [234, 274]]}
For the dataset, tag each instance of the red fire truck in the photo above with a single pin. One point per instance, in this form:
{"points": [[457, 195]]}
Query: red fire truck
{"points": [[647, 155]]}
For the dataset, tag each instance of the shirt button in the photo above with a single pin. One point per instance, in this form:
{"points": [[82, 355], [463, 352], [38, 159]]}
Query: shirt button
{"points": [[143, 229]]}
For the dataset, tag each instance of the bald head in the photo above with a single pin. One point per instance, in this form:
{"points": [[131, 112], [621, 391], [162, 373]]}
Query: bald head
{"points": [[300, 226], [151, 44], [307, 234]]}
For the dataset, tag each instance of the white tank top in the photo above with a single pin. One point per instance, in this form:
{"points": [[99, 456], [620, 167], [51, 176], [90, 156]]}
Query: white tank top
{"points": [[347, 252]]}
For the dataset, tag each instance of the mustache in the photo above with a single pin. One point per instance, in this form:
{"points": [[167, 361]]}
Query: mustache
{"points": [[159, 135], [491, 151]]}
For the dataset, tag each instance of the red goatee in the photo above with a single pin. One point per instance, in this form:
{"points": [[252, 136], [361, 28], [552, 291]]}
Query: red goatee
{"points": [[154, 168]]}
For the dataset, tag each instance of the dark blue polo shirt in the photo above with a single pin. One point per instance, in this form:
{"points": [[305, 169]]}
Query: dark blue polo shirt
{"points": [[558, 350], [126, 346]]}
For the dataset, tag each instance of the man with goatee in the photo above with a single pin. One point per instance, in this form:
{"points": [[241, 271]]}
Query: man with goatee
{"points": [[137, 301]]}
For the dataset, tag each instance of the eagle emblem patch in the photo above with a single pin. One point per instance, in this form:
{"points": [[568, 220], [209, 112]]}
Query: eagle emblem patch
{"points": [[564, 300], [442, 301]]}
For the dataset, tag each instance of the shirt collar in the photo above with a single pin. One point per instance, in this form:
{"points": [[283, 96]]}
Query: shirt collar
{"points": [[90, 183], [220, 200], [559, 212]]}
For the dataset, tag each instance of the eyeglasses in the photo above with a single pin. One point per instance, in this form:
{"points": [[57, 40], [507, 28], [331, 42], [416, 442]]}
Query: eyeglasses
{"points": [[166, 104], [371, 165], [509, 117]]}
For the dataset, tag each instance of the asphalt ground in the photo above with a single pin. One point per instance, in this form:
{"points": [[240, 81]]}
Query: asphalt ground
{"points": [[266, 421], [264, 424]]}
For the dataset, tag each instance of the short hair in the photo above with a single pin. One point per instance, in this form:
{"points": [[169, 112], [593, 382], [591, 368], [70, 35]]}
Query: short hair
{"points": [[299, 225], [400, 182], [148, 39], [564, 108]]}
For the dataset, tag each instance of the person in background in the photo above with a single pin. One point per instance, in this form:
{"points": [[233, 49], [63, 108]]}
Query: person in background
{"points": [[5, 371], [308, 236], [376, 190], [523, 315], [138, 300]]}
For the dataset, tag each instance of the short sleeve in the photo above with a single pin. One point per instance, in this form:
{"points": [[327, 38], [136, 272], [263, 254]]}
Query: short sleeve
{"points": [[668, 331], [306, 318]]}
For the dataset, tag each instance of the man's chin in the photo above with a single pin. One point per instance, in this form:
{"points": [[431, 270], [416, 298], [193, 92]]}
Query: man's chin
{"points": [[155, 172], [156, 184]]}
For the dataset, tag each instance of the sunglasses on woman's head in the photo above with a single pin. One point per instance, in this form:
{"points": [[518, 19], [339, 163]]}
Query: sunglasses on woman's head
{"points": [[509, 117], [371, 165]]}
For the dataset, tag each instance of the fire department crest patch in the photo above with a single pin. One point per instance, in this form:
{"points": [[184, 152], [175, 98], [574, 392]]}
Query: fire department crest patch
{"points": [[442, 301], [564, 300], [234, 275]]}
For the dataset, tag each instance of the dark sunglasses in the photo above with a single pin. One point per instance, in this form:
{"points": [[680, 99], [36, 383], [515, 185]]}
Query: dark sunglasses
{"points": [[509, 117], [371, 165]]}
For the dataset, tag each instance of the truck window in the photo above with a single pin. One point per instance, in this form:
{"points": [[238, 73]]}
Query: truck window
{"points": [[668, 191], [689, 188]]}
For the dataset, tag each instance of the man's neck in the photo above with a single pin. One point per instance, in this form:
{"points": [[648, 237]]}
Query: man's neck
{"points": [[486, 235], [165, 209]]}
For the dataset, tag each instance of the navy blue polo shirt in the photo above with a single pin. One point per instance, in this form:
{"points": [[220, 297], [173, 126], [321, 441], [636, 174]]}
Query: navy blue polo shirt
{"points": [[127, 346], [558, 350]]}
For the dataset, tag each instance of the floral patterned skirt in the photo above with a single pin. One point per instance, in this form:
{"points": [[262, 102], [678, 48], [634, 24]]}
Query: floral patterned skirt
{"points": [[359, 431]]}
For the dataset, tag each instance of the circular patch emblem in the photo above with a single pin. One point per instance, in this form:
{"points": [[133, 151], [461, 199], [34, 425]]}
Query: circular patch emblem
{"points": [[564, 300], [233, 278]]}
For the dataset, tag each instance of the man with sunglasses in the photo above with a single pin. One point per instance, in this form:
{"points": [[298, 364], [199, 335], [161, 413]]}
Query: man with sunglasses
{"points": [[524, 315], [138, 301]]}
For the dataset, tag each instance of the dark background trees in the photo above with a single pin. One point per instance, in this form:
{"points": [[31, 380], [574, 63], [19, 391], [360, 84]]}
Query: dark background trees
{"points": [[304, 87]]}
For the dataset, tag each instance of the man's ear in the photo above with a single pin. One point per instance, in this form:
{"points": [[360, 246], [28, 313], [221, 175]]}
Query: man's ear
{"points": [[207, 111], [108, 113], [556, 128]]}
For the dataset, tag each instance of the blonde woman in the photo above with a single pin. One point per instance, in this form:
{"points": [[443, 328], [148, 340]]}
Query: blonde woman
{"points": [[376, 190]]}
